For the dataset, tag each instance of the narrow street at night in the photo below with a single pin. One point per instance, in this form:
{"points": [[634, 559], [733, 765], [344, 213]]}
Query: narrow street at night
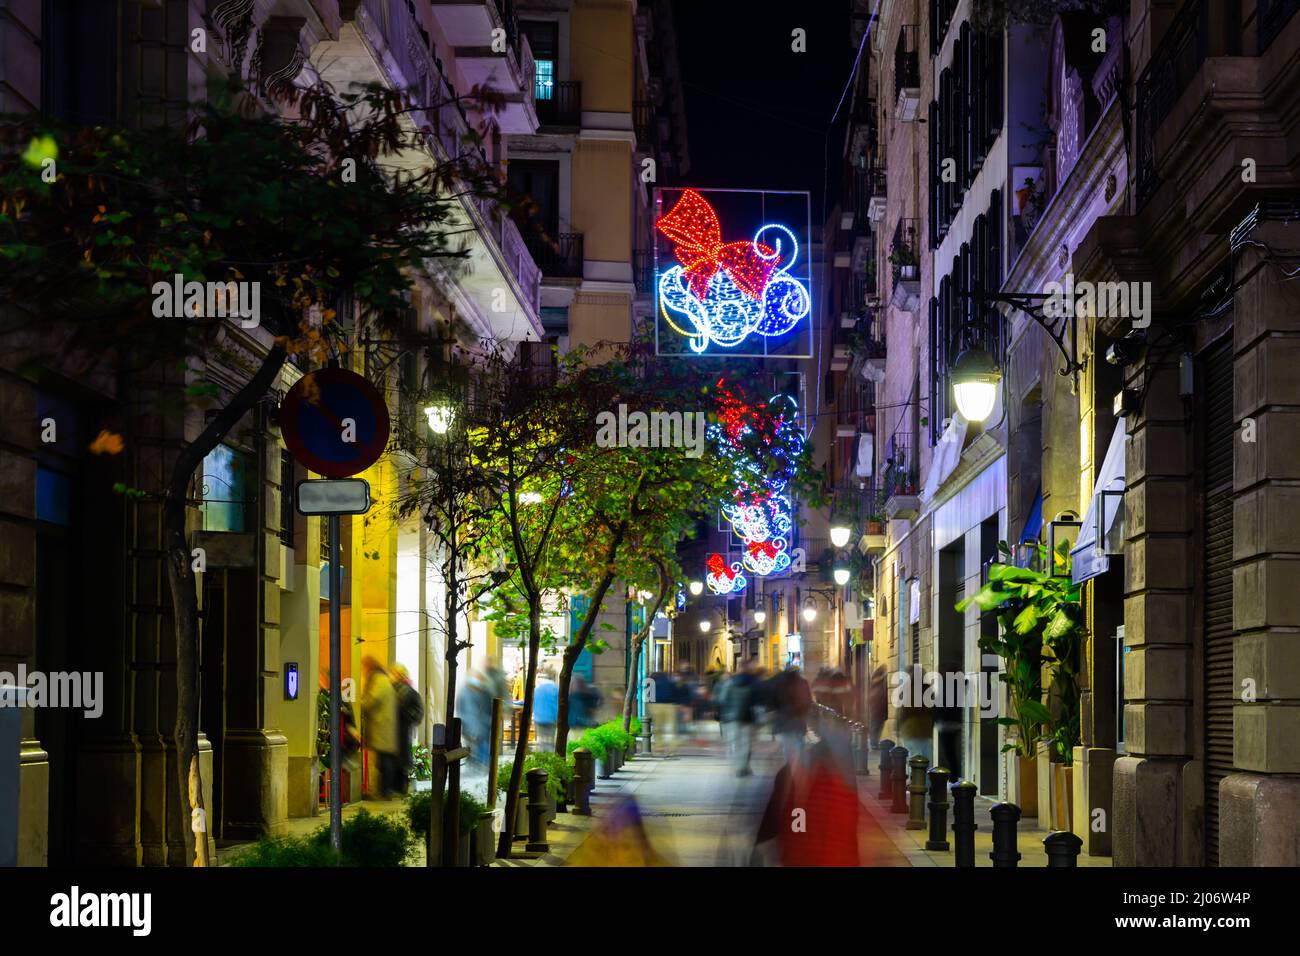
{"points": [[547, 472]]}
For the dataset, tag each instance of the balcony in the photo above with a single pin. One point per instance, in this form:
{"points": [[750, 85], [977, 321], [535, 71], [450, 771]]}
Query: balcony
{"points": [[900, 484], [877, 200], [559, 257], [470, 26], [907, 75], [645, 126], [559, 105], [643, 271], [863, 135], [388, 45], [905, 266]]}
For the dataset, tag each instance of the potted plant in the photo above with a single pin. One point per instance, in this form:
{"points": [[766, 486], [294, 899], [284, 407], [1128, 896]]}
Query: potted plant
{"points": [[1040, 625], [474, 818], [421, 767]]}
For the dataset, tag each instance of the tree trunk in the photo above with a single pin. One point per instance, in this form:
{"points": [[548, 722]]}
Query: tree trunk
{"points": [[629, 698], [180, 577], [525, 724], [574, 650]]}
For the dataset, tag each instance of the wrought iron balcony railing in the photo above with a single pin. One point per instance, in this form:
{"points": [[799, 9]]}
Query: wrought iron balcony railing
{"points": [[559, 257], [561, 105]]}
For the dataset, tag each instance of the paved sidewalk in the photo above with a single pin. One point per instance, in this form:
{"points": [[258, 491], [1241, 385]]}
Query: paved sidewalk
{"points": [[911, 843]]}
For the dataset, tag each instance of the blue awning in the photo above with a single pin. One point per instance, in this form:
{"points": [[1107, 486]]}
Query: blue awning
{"points": [[1033, 523]]}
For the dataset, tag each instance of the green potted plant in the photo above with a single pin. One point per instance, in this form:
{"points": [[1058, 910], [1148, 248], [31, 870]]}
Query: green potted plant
{"points": [[1040, 626], [421, 767]]}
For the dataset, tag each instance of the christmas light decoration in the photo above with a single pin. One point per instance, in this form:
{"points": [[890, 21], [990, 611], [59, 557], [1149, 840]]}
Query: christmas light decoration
{"points": [[761, 442], [721, 293], [723, 578]]}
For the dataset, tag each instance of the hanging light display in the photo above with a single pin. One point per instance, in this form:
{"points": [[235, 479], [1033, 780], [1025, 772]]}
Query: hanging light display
{"points": [[721, 293], [761, 443], [724, 578]]}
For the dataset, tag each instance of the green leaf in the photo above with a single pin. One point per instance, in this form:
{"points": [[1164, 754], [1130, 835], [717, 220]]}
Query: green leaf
{"points": [[1035, 711]]}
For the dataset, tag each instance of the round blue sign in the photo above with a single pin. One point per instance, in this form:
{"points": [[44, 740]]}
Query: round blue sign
{"points": [[334, 422]]}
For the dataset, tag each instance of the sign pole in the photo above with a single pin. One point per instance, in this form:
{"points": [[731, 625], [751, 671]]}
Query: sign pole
{"points": [[336, 690]]}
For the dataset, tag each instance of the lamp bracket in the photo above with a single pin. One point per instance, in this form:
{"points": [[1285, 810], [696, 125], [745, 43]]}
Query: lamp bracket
{"points": [[1061, 329]]}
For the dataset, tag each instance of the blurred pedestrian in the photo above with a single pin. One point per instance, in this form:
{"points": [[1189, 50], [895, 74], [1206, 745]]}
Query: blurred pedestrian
{"points": [[546, 708], [686, 692], [379, 727], [793, 699], [877, 705], [474, 708], [584, 703], [410, 712], [663, 704], [736, 713]]}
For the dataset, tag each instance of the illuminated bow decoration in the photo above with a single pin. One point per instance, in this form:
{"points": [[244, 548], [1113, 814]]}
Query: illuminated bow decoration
{"points": [[693, 226]]}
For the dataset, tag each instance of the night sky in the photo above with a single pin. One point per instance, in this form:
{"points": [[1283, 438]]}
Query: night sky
{"points": [[757, 112]]}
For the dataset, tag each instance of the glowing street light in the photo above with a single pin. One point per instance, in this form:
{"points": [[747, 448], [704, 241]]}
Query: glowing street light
{"points": [[975, 378], [760, 616], [840, 535], [440, 417], [696, 588], [810, 612], [705, 625], [841, 576]]}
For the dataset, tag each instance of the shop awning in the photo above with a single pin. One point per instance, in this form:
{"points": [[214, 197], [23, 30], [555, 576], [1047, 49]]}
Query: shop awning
{"points": [[946, 456], [1102, 533]]}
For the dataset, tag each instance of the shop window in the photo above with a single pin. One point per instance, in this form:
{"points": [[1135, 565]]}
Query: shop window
{"points": [[223, 491], [53, 497]]}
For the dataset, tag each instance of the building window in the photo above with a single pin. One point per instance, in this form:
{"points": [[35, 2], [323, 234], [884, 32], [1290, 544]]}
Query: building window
{"points": [[223, 491], [287, 491], [544, 41]]}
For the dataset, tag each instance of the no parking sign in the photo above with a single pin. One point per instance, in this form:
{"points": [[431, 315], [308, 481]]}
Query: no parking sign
{"points": [[334, 422]]}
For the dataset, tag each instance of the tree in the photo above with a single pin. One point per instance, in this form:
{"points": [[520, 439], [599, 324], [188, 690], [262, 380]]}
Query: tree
{"points": [[230, 198]]}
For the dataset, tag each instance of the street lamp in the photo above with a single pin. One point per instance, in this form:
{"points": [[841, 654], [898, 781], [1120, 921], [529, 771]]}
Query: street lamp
{"points": [[840, 535], [760, 616], [440, 415], [705, 625], [975, 376], [841, 576], [810, 612], [696, 588]]}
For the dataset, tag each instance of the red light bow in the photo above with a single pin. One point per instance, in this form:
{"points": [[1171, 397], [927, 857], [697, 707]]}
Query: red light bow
{"points": [[693, 226], [762, 548], [717, 566]]}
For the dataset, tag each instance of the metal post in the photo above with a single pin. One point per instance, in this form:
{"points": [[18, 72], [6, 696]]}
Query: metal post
{"points": [[494, 752], [963, 823], [451, 813], [916, 792], [861, 749], [886, 787], [539, 804], [938, 809], [1004, 817], [582, 776], [433, 854], [336, 690], [1062, 849], [648, 725], [898, 779]]}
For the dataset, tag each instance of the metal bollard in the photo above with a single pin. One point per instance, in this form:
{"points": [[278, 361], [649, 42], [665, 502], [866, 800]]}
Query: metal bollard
{"points": [[539, 805], [861, 754], [938, 809], [963, 823], [648, 725], [582, 777], [1062, 848], [1005, 816], [886, 787], [898, 779], [916, 791]]}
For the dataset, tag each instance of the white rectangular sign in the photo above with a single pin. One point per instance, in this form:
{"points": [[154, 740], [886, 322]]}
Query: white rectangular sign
{"points": [[333, 496]]}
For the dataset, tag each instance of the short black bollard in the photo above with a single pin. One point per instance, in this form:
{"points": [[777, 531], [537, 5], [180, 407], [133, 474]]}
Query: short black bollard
{"points": [[539, 806], [1062, 848], [861, 752], [938, 809], [886, 788], [1005, 817], [916, 793], [963, 823], [648, 725], [582, 776], [898, 779]]}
